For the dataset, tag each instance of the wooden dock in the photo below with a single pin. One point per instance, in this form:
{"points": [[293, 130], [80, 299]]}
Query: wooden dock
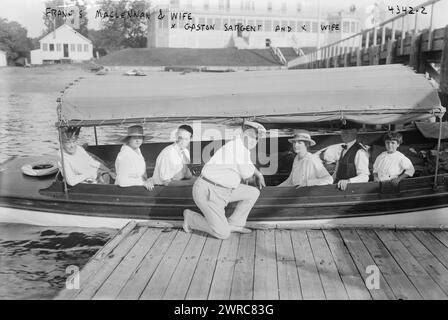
{"points": [[142, 262]]}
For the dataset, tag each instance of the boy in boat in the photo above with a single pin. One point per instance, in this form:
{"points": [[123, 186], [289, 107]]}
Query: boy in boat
{"points": [[307, 169], [79, 166], [130, 165], [353, 164], [392, 165], [220, 184], [172, 163]]}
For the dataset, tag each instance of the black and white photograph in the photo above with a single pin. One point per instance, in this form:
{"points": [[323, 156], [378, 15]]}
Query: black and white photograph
{"points": [[224, 155]]}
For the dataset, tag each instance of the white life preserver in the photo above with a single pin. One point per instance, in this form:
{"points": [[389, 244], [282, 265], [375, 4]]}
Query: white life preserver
{"points": [[40, 168]]}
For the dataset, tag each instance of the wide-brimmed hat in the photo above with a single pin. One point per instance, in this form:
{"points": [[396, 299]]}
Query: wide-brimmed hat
{"points": [[135, 131], [349, 125], [302, 135]]}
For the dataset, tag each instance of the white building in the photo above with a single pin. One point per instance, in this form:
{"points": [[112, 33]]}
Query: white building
{"points": [[3, 61], [282, 23], [63, 44]]}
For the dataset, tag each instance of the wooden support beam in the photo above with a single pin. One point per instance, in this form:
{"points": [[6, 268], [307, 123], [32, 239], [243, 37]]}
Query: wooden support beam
{"points": [[390, 51], [443, 84], [414, 55], [358, 57]]}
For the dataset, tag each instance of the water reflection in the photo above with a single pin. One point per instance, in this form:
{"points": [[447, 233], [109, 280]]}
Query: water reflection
{"points": [[33, 259]]}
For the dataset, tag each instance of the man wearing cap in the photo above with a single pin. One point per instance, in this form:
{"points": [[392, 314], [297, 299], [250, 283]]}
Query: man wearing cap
{"points": [[220, 184], [130, 165], [353, 165], [172, 163], [79, 166], [307, 169]]}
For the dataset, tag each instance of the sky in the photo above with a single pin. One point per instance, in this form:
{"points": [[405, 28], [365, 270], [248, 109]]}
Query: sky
{"points": [[29, 12]]}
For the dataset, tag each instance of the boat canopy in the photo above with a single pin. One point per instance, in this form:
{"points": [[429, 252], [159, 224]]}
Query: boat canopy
{"points": [[386, 94]]}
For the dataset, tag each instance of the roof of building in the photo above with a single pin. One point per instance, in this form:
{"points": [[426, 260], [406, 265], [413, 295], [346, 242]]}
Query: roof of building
{"points": [[70, 28]]}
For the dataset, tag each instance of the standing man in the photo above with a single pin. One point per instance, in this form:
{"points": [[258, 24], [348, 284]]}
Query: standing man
{"points": [[353, 165], [220, 184], [172, 163]]}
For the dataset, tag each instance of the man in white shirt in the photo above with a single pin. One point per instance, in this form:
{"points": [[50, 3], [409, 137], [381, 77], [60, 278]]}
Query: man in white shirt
{"points": [[79, 166], [392, 165], [172, 163], [353, 165], [221, 183]]}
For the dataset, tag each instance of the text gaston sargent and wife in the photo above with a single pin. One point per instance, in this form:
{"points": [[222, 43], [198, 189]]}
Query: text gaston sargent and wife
{"points": [[186, 21]]}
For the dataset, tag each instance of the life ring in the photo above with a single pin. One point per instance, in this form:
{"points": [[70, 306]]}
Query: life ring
{"points": [[40, 168]]}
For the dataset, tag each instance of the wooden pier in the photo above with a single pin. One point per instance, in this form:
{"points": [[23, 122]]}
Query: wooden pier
{"points": [[142, 262]]}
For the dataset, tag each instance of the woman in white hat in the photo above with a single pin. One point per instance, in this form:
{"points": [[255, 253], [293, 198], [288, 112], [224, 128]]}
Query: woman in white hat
{"points": [[130, 166], [307, 169]]}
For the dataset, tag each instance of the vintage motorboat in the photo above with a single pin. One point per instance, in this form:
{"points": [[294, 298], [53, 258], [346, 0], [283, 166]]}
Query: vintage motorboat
{"points": [[376, 97]]}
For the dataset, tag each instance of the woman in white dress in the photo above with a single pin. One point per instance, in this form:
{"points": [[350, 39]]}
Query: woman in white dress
{"points": [[307, 169], [130, 166]]}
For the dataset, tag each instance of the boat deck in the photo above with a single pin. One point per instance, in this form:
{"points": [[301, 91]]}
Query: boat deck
{"points": [[142, 262]]}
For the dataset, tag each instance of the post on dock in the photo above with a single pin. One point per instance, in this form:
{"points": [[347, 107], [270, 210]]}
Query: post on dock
{"points": [[443, 85]]}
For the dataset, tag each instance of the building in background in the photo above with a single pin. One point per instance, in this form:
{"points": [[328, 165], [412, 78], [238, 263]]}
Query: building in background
{"points": [[64, 44], [3, 61], [269, 14]]}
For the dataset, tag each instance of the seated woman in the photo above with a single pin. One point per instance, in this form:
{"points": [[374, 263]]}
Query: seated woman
{"points": [[307, 169], [79, 166], [392, 165], [130, 165]]}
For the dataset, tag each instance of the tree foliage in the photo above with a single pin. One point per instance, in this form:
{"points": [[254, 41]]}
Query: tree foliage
{"points": [[53, 22], [120, 33], [14, 40]]}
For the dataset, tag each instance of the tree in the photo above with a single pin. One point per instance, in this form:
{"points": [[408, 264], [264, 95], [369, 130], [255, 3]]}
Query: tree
{"points": [[122, 32], [14, 40], [54, 21]]}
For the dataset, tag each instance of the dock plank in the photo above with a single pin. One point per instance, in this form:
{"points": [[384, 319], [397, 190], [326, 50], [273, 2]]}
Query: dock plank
{"points": [[350, 275], [397, 279], [112, 260], [437, 248], [442, 236], [329, 275], [203, 275], [159, 281], [265, 277], [411, 267], [116, 281], [288, 278], [243, 275], [180, 281], [306, 267], [362, 259], [140, 277], [222, 279], [97, 261], [426, 259]]}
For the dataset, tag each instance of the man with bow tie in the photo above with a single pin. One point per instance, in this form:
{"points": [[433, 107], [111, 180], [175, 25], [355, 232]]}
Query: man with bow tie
{"points": [[353, 165]]}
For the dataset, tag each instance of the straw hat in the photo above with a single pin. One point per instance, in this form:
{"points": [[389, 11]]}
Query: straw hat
{"points": [[135, 131], [302, 135]]}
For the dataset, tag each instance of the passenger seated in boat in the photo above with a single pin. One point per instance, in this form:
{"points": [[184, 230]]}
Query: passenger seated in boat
{"points": [[130, 165], [392, 165], [172, 163], [353, 165], [79, 166], [307, 169]]}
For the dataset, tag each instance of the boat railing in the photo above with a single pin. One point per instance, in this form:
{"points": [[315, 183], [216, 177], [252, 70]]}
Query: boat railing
{"points": [[361, 40]]}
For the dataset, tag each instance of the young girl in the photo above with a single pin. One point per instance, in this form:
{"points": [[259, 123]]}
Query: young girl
{"points": [[392, 165]]}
